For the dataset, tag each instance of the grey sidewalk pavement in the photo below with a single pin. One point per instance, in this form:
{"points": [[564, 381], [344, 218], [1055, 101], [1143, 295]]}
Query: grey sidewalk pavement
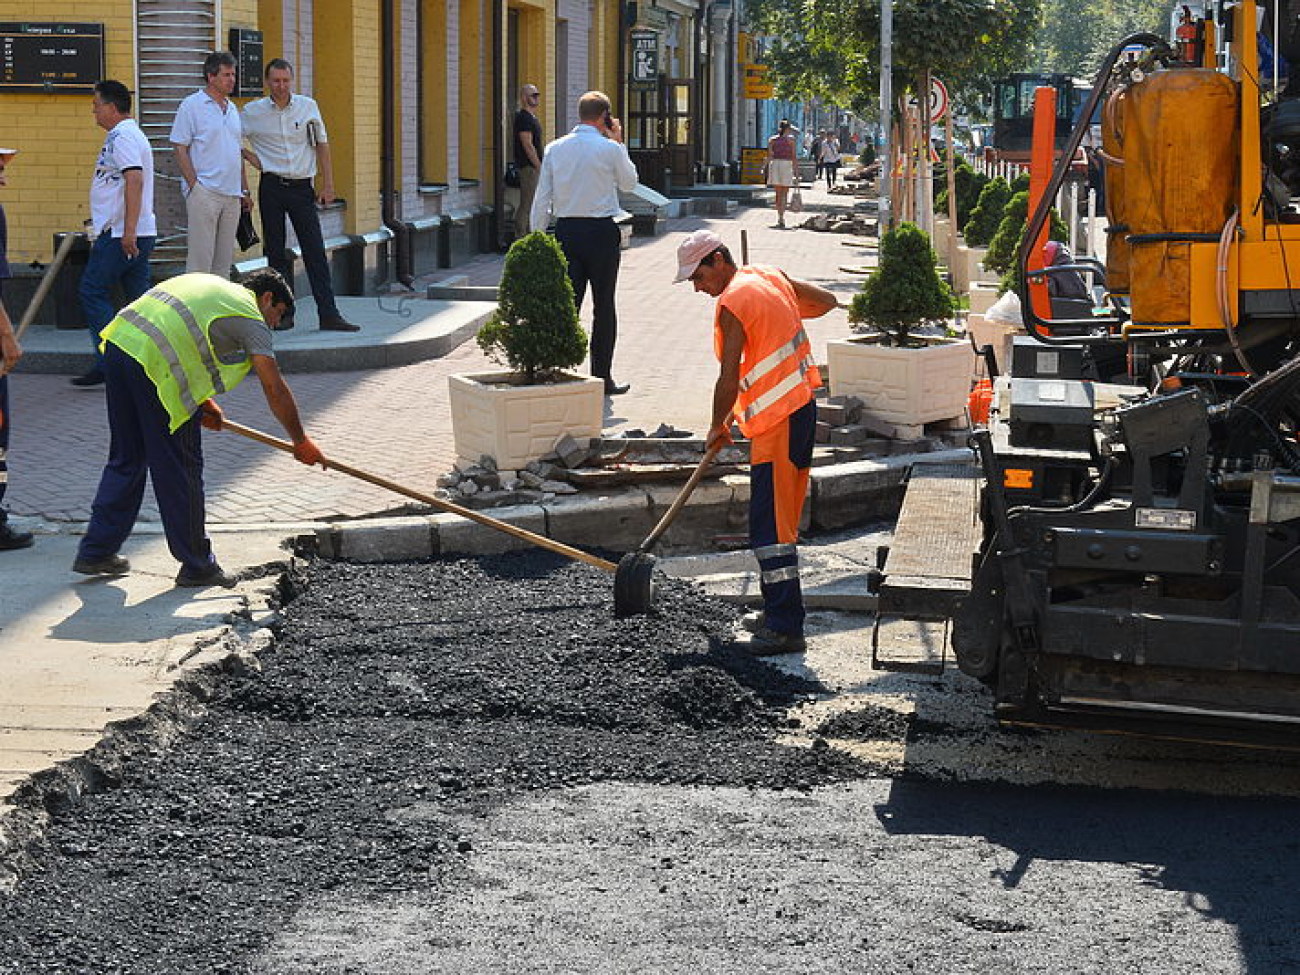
{"points": [[396, 421]]}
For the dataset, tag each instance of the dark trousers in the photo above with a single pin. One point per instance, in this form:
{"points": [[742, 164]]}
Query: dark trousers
{"points": [[140, 444], [107, 266], [296, 199], [591, 246], [4, 442]]}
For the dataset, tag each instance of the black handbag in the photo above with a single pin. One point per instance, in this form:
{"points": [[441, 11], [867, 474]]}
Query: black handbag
{"points": [[512, 175], [246, 233]]}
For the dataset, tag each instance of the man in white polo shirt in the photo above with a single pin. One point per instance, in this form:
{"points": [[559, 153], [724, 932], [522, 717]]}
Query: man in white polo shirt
{"points": [[207, 137], [122, 226], [291, 148]]}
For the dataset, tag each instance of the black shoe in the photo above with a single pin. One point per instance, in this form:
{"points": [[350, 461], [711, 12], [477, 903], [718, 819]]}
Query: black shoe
{"points": [[338, 325], [769, 643], [10, 539], [92, 378], [109, 565], [211, 576], [616, 389]]}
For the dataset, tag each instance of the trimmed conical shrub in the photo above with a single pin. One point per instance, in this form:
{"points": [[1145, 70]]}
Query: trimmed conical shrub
{"points": [[1006, 242], [987, 215], [535, 328], [905, 291]]}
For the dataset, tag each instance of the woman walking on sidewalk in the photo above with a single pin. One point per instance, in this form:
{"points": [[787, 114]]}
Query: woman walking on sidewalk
{"points": [[780, 166], [830, 158]]}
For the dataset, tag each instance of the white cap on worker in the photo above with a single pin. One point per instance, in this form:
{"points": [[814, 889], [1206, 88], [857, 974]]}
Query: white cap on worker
{"points": [[694, 249]]}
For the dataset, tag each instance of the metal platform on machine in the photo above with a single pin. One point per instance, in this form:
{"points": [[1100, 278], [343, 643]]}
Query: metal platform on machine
{"points": [[928, 568]]}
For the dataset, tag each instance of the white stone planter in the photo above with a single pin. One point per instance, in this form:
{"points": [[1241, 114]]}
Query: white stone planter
{"points": [[517, 424], [982, 297], [902, 389]]}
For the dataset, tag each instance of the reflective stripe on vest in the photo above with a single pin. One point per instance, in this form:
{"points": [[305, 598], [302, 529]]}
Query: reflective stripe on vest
{"points": [[166, 332]]}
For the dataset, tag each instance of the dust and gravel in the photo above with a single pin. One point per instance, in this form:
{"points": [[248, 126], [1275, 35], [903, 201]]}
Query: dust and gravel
{"points": [[452, 683]]}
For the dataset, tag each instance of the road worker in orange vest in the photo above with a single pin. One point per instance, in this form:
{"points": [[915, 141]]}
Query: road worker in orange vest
{"points": [[766, 380]]}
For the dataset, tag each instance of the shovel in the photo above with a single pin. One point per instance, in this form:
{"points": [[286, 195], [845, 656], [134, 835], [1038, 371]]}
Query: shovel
{"points": [[539, 540], [634, 589]]}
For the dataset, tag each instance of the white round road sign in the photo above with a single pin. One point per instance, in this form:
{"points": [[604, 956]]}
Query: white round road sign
{"points": [[938, 100]]}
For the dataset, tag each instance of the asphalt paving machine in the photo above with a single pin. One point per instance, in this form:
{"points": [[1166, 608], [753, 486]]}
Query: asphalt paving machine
{"points": [[1139, 559]]}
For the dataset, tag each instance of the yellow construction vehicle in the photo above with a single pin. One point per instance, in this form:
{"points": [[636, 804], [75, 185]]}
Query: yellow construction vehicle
{"points": [[1138, 558]]}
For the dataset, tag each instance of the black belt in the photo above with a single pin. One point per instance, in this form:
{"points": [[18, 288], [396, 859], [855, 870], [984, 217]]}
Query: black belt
{"points": [[285, 179]]}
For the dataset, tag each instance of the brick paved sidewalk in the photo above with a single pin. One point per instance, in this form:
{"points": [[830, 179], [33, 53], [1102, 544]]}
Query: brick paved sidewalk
{"points": [[396, 422]]}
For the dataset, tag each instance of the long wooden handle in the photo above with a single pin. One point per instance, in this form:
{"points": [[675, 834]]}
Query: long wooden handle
{"points": [[47, 282], [540, 540], [683, 497]]}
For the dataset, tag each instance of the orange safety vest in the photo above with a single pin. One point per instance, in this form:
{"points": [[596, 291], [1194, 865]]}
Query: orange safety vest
{"points": [[777, 374]]}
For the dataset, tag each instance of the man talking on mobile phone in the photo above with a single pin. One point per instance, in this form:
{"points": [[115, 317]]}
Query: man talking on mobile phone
{"points": [[582, 174]]}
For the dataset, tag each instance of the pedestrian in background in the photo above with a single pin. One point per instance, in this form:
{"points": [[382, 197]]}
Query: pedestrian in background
{"points": [[815, 154], [207, 136], [10, 353], [122, 225], [580, 179], [780, 166], [166, 355], [830, 158], [290, 148], [528, 155], [766, 380]]}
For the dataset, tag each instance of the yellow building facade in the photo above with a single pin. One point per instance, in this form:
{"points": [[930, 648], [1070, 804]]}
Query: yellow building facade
{"points": [[417, 96]]}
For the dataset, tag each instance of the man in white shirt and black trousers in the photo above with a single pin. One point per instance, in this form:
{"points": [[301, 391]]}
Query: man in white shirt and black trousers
{"points": [[582, 174], [290, 147]]}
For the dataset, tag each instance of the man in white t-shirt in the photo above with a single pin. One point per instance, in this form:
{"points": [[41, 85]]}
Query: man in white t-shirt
{"points": [[208, 137], [122, 227]]}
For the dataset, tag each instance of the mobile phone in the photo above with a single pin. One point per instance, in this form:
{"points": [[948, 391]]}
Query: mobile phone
{"points": [[609, 120]]}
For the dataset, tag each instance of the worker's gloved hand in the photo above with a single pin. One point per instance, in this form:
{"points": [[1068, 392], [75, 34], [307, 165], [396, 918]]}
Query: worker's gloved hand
{"points": [[308, 453], [210, 415], [718, 438]]}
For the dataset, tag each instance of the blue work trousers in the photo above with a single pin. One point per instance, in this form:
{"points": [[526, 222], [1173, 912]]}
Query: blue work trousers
{"points": [[141, 444], [107, 266], [781, 462], [278, 198]]}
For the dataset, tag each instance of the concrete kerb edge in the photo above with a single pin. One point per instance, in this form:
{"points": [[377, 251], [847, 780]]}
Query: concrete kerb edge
{"points": [[618, 520]]}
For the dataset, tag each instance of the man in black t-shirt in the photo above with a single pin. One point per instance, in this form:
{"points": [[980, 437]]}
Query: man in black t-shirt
{"points": [[528, 154]]}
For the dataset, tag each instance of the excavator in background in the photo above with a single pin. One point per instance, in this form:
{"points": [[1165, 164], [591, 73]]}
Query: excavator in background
{"points": [[1136, 498]]}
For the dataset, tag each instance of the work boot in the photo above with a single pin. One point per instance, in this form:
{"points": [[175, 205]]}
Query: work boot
{"points": [[10, 539], [211, 576], [93, 378], [109, 565], [769, 643], [338, 325]]}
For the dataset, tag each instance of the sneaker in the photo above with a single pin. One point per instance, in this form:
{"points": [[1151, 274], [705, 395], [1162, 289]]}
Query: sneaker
{"points": [[211, 576], [10, 539], [109, 565], [92, 378], [769, 643], [338, 325]]}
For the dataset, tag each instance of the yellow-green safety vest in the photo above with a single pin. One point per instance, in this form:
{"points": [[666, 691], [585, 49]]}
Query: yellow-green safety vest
{"points": [[166, 331]]}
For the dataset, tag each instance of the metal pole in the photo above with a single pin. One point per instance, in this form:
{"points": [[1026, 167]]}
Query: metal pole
{"points": [[886, 112]]}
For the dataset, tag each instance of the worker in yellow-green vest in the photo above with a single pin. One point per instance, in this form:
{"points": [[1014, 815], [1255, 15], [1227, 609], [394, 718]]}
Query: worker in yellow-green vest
{"points": [[165, 356]]}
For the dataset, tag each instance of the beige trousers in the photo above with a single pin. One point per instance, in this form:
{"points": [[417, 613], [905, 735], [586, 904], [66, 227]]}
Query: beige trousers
{"points": [[213, 218]]}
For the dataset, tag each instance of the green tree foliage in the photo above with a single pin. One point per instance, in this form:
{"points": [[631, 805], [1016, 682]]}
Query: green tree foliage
{"points": [[969, 185], [1076, 34], [906, 290], [535, 328], [987, 215], [831, 48], [1020, 183], [1005, 244]]}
